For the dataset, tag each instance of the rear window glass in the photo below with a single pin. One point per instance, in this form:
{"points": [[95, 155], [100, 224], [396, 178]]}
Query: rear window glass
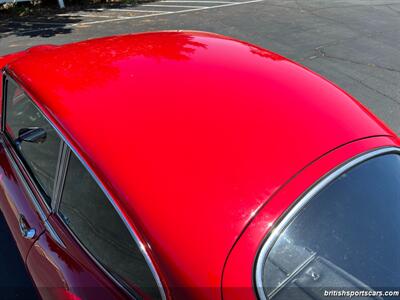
{"points": [[345, 239]]}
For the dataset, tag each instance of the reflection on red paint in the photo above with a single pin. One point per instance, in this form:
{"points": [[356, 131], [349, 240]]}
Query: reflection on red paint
{"points": [[67, 295], [192, 134]]}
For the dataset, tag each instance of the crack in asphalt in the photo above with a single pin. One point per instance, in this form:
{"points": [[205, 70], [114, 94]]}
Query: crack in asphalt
{"points": [[321, 53], [396, 101], [312, 12], [393, 9], [335, 21], [355, 5]]}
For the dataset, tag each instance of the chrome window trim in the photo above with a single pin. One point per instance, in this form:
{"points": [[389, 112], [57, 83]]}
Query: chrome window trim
{"points": [[94, 259], [134, 235], [29, 182], [60, 177], [28, 189], [21, 162], [3, 96], [53, 234], [288, 216], [23, 180], [139, 244]]}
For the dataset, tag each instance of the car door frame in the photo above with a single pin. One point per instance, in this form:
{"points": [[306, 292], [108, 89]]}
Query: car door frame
{"points": [[51, 216], [27, 200]]}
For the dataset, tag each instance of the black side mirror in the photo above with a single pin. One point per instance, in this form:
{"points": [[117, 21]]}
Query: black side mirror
{"points": [[31, 135]]}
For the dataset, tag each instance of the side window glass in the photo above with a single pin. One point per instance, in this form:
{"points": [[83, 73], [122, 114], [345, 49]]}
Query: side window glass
{"points": [[37, 143], [94, 221]]}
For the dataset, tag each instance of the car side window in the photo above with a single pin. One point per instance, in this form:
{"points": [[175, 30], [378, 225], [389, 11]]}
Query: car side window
{"points": [[96, 224], [34, 139]]}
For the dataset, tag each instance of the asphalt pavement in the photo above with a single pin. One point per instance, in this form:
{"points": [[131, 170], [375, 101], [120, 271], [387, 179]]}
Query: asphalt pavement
{"points": [[354, 43], [15, 283]]}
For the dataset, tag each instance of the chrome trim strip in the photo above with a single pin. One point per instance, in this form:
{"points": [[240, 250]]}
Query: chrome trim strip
{"points": [[139, 244], [53, 234], [3, 99], [301, 202], [57, 177], [100, 184], [24, 182], [36, 204], [94, 259], [15, 157], [60, 177]]}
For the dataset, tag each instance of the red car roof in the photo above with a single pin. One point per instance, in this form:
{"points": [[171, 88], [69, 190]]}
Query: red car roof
{"points": [[191, 132]]}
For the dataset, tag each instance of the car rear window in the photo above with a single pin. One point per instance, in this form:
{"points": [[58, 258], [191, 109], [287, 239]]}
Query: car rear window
{"points": [[344, 240]]}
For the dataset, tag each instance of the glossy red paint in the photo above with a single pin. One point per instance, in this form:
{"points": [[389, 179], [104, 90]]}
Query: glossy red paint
{"points": [[192, 133], [239, 270], [62, 273], [16, 202], [7, 59]]}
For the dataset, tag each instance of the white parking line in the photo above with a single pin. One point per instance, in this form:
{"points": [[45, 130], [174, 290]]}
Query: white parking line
{"points": [[169, 12], [94, 16], [83, 15], [149, 13], [122, 18], [199, 1], [161, 5], [136, 10], [124, 10]]}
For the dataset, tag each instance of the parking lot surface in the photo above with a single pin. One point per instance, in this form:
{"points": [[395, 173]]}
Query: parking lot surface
{"points": [[354, 43], [15, 283]]}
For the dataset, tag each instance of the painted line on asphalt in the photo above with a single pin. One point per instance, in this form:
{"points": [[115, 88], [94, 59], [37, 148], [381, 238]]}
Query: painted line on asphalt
{"points": [[178, 6], [136, 10], [170, 13], [95, 16], [198, 1], [119, 18], [84, 15], [125, 10], [69, 25]]}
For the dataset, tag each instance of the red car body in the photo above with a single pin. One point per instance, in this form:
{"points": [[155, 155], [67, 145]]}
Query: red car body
{"points": [[202, 141]]}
